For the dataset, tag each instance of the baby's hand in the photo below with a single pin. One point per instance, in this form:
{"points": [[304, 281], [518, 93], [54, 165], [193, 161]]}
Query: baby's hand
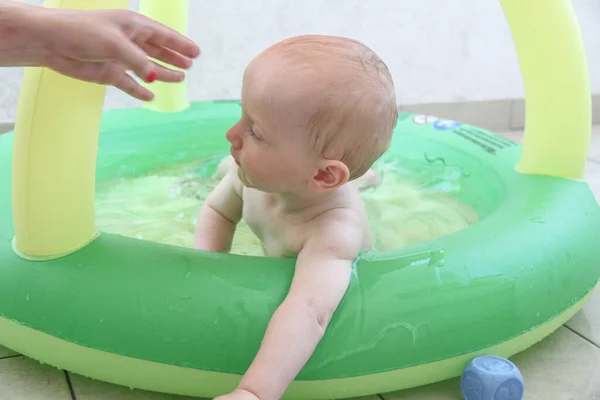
{"points": [[224, 167], [238, 394]]}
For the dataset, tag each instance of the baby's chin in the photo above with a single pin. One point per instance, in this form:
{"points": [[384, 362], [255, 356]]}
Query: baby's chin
{"points": [[247, 182], [242, 176]]}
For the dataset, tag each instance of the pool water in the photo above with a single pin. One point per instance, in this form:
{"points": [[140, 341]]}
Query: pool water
{"points": [[162, 206]]}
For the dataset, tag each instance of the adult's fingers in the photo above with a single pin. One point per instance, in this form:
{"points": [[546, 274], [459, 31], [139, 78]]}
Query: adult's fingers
{"points": [[162, 35], [167, 75], [136, 59], [129, 85], [107, 73], [166, 55], [124, 51]]}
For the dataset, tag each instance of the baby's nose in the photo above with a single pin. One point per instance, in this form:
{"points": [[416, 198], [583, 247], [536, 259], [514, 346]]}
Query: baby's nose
{"points": [[233, 137]]}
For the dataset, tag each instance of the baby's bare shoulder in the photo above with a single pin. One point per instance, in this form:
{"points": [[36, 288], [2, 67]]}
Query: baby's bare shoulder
{"points": [[342, 218], [346, 228]]}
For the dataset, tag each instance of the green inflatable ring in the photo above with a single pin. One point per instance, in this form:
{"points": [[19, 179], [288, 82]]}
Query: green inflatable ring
{"points": [[176, 320]]}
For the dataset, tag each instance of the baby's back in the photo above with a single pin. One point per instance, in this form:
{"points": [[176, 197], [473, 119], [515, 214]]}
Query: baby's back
{"points": [[284, 232]]}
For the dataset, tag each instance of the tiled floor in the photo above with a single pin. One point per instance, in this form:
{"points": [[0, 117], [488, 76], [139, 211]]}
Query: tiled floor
{"points": [[565, 366]]}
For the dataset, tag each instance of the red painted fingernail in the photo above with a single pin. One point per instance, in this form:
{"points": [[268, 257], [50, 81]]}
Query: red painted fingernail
{"points": [[152, 76]]}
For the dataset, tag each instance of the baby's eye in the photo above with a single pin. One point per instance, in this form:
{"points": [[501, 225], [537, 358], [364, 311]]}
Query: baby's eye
{"points": [[253, 134]]}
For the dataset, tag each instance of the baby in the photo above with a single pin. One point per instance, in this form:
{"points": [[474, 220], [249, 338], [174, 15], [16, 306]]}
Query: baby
{"points": [[317, 112]]}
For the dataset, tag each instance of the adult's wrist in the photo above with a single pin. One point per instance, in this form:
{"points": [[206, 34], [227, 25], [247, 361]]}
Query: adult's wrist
{"points": [[24, 34]]}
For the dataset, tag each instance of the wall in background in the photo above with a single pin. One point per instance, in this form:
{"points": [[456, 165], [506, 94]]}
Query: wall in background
{"points": [[439, 51]]}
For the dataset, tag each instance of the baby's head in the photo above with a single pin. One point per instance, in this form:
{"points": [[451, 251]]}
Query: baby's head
{"points": [[317, 112]]}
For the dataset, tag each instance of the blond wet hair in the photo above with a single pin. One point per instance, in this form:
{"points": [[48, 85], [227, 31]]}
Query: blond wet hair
{"points": [[352, 111]]}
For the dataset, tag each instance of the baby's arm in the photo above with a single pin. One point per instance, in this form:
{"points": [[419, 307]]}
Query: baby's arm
{"points": [[219, 215], [322, 275]]}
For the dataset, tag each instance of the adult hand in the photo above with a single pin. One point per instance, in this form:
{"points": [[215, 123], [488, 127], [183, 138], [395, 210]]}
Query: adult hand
{"points": [[98, 46], [101, 45]]}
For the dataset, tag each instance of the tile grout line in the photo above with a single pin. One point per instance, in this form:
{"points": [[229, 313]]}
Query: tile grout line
{"points": [[68, 378], [11, 356], [581, 336]]}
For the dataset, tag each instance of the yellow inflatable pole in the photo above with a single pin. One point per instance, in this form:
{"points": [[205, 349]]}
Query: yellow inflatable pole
{"points": [[557, 90], [54, 157], [168, 97]]}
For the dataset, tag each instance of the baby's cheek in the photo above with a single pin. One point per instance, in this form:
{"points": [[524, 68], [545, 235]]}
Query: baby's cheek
{"points": [[261, 170]]}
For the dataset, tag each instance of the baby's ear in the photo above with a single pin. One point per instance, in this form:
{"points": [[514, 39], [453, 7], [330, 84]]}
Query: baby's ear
{"points": [[329, 175]]}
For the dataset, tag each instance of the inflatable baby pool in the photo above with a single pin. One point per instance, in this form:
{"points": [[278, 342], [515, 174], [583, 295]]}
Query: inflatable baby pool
{"points": [[176, 320]]}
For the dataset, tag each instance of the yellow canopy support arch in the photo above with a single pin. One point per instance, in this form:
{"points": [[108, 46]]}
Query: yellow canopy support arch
{"points": [[58, 121], [168, 97], [54, 157], [557, 88]]}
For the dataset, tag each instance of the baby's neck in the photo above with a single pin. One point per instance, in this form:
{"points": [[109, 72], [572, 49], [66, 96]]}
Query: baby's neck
{"points": [[296, 202]]}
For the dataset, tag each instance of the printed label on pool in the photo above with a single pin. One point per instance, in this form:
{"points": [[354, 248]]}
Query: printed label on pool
{"points": [[489, 142]]}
